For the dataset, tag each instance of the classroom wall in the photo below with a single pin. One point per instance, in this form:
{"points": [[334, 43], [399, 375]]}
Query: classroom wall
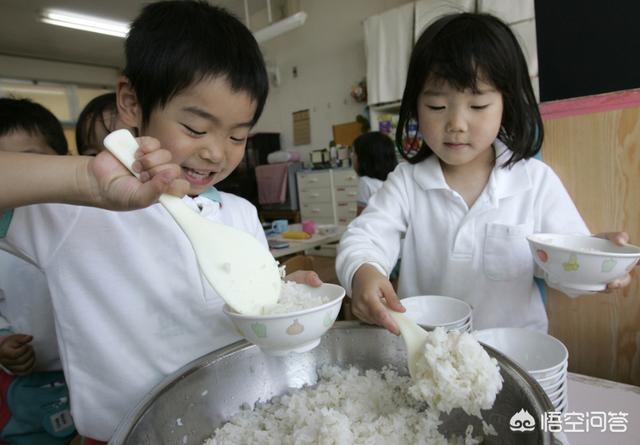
{"points": [[14, 67], [328, 52]]}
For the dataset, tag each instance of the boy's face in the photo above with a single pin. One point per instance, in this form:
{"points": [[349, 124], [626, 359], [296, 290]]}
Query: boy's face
{"points": [[20, 141], [206, 128]]}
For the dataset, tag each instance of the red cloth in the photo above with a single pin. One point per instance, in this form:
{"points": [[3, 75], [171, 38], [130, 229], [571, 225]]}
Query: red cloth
{"points": [[87, 441], [272, 183]]}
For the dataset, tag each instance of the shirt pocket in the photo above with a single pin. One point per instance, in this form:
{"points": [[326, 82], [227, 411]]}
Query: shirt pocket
{"points": [[506, 251]]}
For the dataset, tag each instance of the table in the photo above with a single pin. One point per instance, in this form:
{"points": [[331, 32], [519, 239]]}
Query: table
{"points": [[589, 395], [298, 245]]}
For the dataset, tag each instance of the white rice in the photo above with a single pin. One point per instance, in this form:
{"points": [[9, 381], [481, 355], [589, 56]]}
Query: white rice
{"points": [[294, 297], [346, 407], [456, 372]]}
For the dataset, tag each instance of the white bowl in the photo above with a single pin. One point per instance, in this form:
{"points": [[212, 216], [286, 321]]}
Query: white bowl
{"points": [[581, 264], [552, 379], [327, 229], [432, 311], [557, 393], [549, 388], [298, 331], [544, 373], [532, 350]]}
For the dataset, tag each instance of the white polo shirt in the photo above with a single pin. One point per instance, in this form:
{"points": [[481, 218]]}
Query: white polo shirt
{"points": [[479, 255], [129, 301]]}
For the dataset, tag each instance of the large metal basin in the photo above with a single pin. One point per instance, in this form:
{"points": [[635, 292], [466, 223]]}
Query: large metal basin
{"points": [[188, 405]]}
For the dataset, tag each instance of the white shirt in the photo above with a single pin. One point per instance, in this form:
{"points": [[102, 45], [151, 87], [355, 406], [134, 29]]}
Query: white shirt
{"points": [[130, 303], [25, 307], [366, 188], [479, 255]]}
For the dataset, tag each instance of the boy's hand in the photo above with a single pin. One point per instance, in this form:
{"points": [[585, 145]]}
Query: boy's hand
{"points": [[369, 287], [620, 238], [16, 354], [305, 277], [117, 189]]}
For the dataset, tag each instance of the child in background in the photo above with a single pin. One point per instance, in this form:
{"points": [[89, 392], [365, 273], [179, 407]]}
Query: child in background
{"points": [[98, 118], [131, 304], [472, 192], [34, 395], [374, 157]]}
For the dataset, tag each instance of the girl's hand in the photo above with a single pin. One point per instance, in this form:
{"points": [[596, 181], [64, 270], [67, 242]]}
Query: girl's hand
{"points": [[620, 238], [16, 354], [115, 188], [305, 277], [369, 287]]}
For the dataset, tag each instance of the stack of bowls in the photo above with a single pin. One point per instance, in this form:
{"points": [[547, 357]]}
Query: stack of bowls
{"points": [[544, 357], [432, 311]]}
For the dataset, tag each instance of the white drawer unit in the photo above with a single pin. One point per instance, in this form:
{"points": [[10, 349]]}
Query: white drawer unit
{"points": [[328, 196]]}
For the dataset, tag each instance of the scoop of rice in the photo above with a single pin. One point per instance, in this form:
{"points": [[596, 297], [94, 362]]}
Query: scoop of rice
{"points": [[294, 297], [346, 407], [456, 372]]}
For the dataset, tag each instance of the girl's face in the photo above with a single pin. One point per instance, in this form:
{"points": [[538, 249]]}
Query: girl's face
{"points": [[460, 126], [206, 128]]}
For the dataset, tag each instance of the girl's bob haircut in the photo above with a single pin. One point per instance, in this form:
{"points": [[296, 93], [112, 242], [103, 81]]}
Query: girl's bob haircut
{"points": [[460, 49]]}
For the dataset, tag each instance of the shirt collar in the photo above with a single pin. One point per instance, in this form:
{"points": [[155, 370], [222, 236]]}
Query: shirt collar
{"points": [[213, 194], [503, 182]]}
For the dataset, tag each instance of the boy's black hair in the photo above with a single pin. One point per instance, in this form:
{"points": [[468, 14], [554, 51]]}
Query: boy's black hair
{"points": [[91, 116], [460, 49], [175, 44], [33, 118], [376, 155]]}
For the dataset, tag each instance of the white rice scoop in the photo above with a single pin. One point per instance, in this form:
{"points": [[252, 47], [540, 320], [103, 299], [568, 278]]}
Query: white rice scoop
{"points": [[241, 270], [414, 338]]}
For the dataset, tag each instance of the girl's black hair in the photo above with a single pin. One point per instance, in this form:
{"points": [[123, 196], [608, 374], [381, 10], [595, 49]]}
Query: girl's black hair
{"points": [[175, 44], [376, 155], [460, 49], [91, 116], [34, 119]]}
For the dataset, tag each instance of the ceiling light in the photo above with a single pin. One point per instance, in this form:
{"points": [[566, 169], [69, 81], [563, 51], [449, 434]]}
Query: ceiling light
{"points": [[85, 22], [280, 27]]}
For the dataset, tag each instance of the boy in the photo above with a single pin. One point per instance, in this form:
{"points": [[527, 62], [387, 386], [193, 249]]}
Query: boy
{"points": [[32, 386], [130, 302]]}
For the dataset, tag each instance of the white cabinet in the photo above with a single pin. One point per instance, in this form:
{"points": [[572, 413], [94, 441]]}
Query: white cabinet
{"points": [[328, 196]]}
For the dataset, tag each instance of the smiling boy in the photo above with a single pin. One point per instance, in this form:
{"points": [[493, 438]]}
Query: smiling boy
{"points": [[131, 305]]}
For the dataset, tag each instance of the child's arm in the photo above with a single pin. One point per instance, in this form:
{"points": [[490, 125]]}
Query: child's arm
{"points": [[95, 181], [16, 354], [368, 287]]}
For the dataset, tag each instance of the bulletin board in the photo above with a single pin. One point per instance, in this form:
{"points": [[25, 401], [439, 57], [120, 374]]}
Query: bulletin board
{"points": [[344, 134]]}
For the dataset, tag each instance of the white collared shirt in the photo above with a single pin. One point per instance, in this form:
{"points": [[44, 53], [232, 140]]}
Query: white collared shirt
{"points": [[130, 304], [479, 255]]}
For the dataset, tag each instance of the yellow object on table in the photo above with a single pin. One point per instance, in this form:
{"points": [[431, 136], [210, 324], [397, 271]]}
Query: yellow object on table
{"points": [[295, 235]]}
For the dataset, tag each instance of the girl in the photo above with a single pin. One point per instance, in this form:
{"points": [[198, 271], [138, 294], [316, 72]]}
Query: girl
{"points": [[470, 193], [374, 157]]}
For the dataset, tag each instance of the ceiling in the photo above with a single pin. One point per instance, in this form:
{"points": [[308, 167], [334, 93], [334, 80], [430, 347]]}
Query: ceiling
{"points": [[22, 34]]}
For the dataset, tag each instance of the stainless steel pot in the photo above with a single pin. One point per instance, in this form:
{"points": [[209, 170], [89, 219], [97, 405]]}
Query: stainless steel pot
{"points": [[188, 405]]}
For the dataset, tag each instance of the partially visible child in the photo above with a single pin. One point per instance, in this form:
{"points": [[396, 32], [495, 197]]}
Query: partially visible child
{"points": [[131, 304], [374, 157], [96, 120], [471, 193], [34, 395]]}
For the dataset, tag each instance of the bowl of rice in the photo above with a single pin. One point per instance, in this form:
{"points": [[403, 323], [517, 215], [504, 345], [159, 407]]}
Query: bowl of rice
{"points": [[295, 323], [354, 388], [581, 264]]}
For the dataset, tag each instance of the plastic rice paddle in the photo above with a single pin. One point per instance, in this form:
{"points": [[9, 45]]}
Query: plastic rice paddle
{"points": [[241, 270], [414, 338]]}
